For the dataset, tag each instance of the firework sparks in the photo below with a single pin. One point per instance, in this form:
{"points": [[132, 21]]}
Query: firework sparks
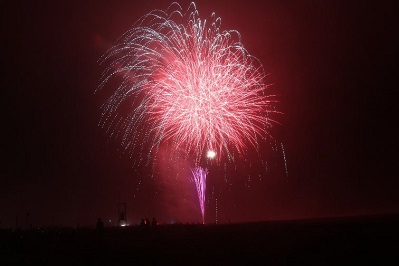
{"points": [[184, 81], [199, 176]]}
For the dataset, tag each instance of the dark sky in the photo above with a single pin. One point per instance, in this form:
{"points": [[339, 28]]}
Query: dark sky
{"points": [[334, 65]]}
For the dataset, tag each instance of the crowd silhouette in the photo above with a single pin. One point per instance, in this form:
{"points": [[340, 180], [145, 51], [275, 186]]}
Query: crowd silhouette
{"points": [[146, 223]]}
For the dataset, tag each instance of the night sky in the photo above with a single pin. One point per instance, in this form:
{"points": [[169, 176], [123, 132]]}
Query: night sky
{"points": [[333, 64]]}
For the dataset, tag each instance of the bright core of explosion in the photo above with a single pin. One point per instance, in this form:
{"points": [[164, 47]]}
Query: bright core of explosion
{"points": [[210, 154]]}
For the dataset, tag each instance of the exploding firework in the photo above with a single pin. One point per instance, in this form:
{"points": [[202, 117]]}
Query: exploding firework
{"points": [[199, 176], [183, 81]]}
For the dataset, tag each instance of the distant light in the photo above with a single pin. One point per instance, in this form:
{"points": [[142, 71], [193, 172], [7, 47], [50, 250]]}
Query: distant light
{"points": [[123, 223], [211, 154]]}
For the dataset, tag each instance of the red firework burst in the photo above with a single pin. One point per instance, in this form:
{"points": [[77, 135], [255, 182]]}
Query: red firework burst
{"points": [[189, 83]]}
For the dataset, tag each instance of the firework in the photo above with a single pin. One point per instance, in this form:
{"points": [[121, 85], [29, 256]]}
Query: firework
{"points": [[183, 81], [199, 176]]}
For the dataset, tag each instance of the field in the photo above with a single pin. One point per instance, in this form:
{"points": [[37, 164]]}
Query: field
{"points": [[332, 241]]}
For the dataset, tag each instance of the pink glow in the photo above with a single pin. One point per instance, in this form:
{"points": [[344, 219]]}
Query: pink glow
{"points": [[199, 176]]}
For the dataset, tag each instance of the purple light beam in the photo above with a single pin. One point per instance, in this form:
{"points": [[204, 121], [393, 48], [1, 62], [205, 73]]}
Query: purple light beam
{"points": [[199, 176]]}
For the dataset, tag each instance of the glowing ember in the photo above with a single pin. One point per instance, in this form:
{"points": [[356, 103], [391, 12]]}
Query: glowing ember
{"points": [[211, 154]]}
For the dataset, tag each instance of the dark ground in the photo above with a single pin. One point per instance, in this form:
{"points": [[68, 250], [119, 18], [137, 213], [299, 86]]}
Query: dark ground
{"points": [[369, 240]]}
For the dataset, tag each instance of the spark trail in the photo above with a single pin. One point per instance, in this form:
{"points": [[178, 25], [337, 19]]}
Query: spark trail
{"points": [[199, 176], [181, 80]]}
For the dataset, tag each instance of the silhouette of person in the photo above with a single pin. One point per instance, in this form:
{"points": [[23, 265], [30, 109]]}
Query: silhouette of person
{"points": [[147, 223], [154, 222], [99, 224], [100, 229]]}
